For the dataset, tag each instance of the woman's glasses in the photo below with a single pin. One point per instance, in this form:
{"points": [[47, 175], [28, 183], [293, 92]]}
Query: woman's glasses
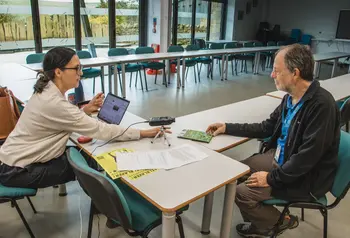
{"points": [[77, 69]]}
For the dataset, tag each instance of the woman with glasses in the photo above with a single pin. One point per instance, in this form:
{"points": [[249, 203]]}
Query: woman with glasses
{"points": [[33, 156]]}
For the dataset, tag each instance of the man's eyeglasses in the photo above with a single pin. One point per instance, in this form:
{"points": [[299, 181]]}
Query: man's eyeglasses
{"points": [[77, 69]]}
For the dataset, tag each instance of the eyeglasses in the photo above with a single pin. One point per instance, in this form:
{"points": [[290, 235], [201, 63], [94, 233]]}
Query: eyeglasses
{"points": [[77, 69]]}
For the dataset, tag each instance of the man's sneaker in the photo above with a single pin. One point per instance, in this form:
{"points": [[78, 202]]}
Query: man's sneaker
{"points": [[290, 222], [250, 231]]}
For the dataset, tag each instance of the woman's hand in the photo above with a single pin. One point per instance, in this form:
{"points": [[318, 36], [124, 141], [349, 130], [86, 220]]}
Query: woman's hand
{"points": [[153, 132], [94, 104]]}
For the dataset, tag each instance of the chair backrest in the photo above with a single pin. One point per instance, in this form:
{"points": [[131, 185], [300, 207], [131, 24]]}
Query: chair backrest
{"points": [[306, 39], [216, 46], [144, 50], [83, 54], [117, 51], [200, 43], [104, 193], [342, 178], [35, 58], [176, 48], [258, 44], [281, 43], [271, 43], [192, 48], [248, 44], [344, 111], [295, 34], [231, 45]]}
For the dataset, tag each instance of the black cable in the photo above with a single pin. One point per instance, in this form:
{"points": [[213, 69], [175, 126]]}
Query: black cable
{"points": [[118, 135]]}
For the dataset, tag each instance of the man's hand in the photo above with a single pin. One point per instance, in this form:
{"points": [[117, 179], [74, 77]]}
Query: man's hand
{"points": [[94, 104], [258, 180], [216, 129], [153, 132]]}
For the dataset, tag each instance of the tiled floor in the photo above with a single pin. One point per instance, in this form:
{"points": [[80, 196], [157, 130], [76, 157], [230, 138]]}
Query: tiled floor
{"points": [[60, 217]]}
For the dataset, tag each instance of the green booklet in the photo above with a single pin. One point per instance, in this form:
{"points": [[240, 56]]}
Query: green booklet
{"points": [[200, 136]]}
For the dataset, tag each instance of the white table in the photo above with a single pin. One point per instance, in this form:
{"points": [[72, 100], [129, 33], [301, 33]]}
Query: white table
{"points": [[339, 87], [328, 56], [122, 60], [249, 111], [221, 41], [181, 186]]}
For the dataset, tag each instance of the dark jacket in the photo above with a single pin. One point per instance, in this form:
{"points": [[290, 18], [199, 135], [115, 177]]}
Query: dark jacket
{"points": [[311, 150]]}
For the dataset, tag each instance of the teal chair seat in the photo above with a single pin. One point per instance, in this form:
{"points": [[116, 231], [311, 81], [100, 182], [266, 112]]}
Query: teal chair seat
{"points": [[143, 213], [91, 73], [116, 200], [16, 192], [129, 68], [153, 65], [12, 194], [204, 60], [322, 200]]}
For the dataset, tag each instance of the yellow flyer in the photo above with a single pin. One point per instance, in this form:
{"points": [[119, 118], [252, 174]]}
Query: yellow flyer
{"points": [[108, 163]]}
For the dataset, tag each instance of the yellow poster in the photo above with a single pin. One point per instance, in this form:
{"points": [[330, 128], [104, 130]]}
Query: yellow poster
{"points": [[108, 162]]}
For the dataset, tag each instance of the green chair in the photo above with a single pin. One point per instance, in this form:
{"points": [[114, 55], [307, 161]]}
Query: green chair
{"points": [[339, 189], [246, 56], [91, 72], [174, 48], [218, 58], [269, 55], [192, 62], [116, 200], [344, 108], [9, 194], [151, 65], [262, 56], [202, 60], [231, 58], [35, 58], [129, 68], [281, 43]]}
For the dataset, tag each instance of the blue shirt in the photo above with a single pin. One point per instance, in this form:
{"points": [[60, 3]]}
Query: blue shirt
{"points": [[292, 110]]}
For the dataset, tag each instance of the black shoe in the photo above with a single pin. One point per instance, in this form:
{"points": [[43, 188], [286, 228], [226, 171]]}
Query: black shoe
{"points": [[250, 231], [288, 223], [111, 224]]}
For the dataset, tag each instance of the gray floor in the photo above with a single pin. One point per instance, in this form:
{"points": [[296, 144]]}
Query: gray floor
{"points": [[60, 216]]}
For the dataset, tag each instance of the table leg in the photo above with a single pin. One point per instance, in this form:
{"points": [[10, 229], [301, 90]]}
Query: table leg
{"points": [[178, 73], [318, 69], [62, 190], [257, 63], [102, 79], [183, 72], [223, 68], [164, 73], [115, 81], [109, 79], [168, 225], [334, 69], [169, 71], [227, 213], [207, 211], [123, 81], [226, 72]]}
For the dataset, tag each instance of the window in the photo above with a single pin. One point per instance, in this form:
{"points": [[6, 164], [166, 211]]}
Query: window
{"points": [[184, 22], [16, 28], [201, 19], [127, 22], [215, 22]]}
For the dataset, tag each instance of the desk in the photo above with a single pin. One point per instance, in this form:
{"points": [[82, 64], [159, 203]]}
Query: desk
{"points": [[174, 191], [338, 87], [248, 111], [328, 56], [221, 41]]}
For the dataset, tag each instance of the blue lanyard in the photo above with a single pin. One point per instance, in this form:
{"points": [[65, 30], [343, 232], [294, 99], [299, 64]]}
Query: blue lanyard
{"points": [[288, 120]]}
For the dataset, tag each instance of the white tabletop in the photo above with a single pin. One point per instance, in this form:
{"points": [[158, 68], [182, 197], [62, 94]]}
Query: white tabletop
{"points": [[92, 62], [338, 87], [248, 111], [181, 186], [221, 41], [330, 55]]}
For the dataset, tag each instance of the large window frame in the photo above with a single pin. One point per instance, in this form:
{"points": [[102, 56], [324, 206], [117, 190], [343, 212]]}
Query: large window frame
{"points": [[222, 24]]}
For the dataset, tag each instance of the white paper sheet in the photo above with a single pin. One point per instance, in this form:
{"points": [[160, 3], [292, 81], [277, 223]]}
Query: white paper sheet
{"points": [[160, 159]]}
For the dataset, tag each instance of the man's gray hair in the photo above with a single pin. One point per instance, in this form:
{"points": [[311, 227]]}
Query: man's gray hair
{"points": [[299, 57]]}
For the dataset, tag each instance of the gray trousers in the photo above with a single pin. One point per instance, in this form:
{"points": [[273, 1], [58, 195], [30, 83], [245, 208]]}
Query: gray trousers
{"points": [[249, 200]]}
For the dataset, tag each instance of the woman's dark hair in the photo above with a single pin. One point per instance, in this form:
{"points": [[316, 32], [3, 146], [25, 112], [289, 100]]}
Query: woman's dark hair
{"points": [[57, 57]]}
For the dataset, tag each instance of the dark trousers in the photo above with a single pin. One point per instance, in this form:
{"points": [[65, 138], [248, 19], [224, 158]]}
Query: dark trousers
{"points": [[249, 200], [40, 175]]}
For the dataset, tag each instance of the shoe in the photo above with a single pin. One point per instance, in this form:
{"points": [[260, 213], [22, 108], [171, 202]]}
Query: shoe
{"points": [[111, 224], [250, 231], [290, 222]]}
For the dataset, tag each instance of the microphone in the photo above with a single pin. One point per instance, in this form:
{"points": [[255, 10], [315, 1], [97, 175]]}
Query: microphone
{"points": [[161, 121]]}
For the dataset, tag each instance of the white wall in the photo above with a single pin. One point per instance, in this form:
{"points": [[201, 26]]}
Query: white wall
{"points": [[153, 11], [230, 33], [318, 18], [246, 29]]}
